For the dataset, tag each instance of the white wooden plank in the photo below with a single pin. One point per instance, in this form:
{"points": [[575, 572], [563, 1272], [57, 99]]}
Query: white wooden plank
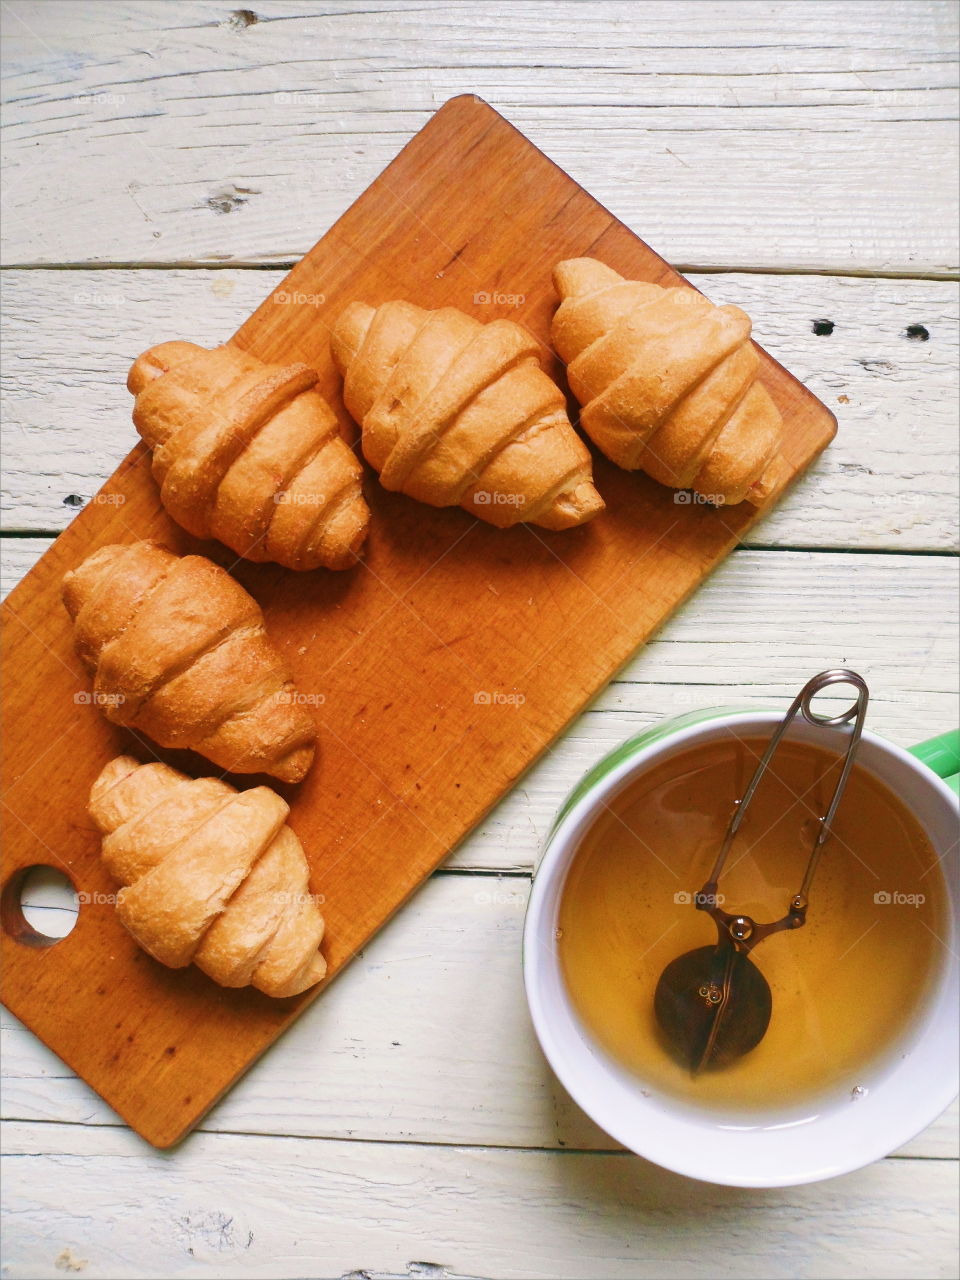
{"points": [[424, 1038], [285, 1207], [889, 480], [729, 134], [762, 624]]}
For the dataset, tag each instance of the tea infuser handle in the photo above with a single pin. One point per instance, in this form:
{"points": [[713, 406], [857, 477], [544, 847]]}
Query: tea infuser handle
{"points": [[837, 675], [856, 713]]}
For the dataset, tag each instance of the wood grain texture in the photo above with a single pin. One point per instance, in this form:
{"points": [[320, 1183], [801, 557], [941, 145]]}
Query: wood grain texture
{"points": [[888, 481], [352, 1209], [440, 669], [787, 135]]}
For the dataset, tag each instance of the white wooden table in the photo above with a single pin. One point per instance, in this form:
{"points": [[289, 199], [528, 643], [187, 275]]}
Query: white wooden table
{"points": [[166, 162]]}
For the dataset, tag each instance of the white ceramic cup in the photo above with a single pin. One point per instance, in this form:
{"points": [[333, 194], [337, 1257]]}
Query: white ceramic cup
{"points": [[771, 1152]]}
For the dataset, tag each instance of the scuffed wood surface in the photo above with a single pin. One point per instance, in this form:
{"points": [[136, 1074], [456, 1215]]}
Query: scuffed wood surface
{"points": [[285, 1208], [726, 134], [889, 480]]}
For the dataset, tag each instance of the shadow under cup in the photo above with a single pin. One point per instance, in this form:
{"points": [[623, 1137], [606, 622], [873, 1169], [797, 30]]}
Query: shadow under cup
{"points": [[910, 1079]]}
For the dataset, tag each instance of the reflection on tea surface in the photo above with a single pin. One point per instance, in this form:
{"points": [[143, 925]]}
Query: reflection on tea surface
{"points": [[846, 986]]}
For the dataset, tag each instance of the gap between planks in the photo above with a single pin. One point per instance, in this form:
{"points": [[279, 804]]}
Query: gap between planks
{"points": [[432, 1144], [287, 264], [922, 553]]}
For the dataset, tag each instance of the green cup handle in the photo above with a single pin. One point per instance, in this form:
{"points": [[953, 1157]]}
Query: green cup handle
{"points": [[942, 755]]}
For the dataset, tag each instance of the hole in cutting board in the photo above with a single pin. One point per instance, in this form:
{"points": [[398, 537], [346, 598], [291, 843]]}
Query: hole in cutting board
{"points": [[39, 906]]}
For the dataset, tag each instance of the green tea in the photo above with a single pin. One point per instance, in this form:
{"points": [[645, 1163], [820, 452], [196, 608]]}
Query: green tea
{"points": [[846, 986]]}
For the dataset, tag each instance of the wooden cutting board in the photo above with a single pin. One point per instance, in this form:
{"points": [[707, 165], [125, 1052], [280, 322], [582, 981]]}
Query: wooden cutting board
{"points": [[441, 668]]}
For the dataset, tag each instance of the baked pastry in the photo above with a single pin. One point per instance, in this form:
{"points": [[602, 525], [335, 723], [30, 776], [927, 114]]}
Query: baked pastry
{"points": [[178, 651], [459, 413], [211, 876], [250, 454], [668, 383]]}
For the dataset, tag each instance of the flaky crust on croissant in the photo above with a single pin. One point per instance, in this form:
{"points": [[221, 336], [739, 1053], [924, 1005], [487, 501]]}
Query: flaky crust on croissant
{"points": [[211, 876], [459, 413], [250, 454], [179, 652], [668, 383]]}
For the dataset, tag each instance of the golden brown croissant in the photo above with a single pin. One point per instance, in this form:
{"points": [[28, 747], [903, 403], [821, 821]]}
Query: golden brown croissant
{"points": [[667, 382], [455, 412], [211, 876], [250, 454], [179, 652]]}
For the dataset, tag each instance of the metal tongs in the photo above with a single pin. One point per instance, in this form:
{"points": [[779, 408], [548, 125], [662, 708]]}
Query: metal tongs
{"points": [[713, 1004]]}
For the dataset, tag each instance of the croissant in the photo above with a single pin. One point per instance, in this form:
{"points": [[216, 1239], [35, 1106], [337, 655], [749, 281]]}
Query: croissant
{"points": [[250, 454], [179, 652], [668, 383], [212, 876], [455, 412]]}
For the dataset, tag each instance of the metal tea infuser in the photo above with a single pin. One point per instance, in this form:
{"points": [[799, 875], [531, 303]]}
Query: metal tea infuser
{"points": [[713, 1004]]}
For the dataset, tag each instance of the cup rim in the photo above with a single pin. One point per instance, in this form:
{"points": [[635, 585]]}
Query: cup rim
{"points": [[659, 1129]]}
